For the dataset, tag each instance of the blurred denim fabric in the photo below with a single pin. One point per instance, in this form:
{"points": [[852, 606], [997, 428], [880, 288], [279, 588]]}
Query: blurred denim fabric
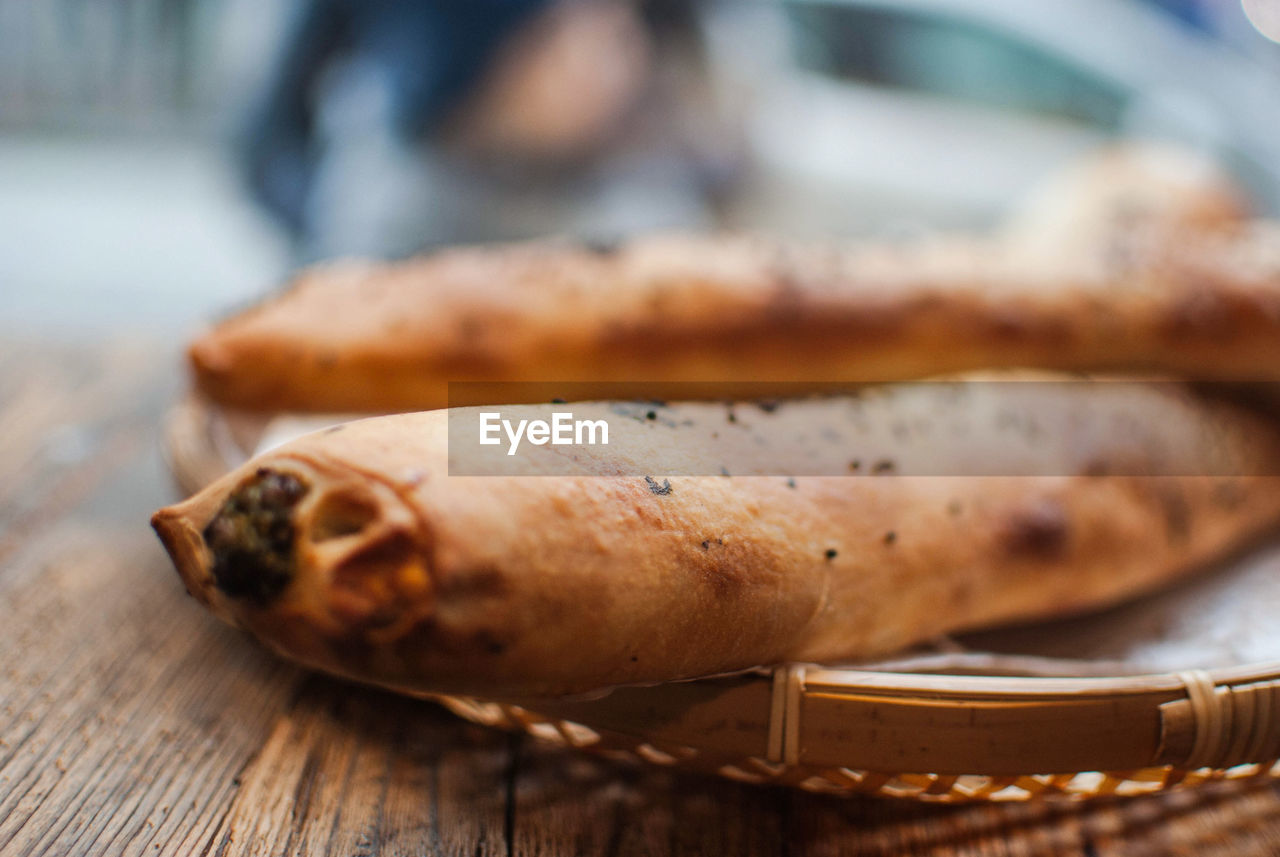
{"points": [[423, 54]]}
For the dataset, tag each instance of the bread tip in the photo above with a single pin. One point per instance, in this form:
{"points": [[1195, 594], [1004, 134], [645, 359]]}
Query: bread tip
{"points": [[185, 547]]}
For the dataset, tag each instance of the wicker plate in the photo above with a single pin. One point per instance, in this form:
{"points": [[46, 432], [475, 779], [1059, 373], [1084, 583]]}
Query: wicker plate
{"points": [[1132, 701]]}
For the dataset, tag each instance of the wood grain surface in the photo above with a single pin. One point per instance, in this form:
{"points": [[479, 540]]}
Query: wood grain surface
{"points": [[133, 723]]}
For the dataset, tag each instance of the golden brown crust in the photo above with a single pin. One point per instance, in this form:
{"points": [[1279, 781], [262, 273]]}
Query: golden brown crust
{"points": [[522, 586], [375, 338]]}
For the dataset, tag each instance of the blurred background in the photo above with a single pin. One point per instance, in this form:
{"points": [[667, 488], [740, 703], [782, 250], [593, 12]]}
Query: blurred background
{"points": [[163, 160]]}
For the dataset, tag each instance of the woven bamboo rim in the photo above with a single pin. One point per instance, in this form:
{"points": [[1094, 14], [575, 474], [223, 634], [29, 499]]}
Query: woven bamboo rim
{"points": [[933, 737], [903, 733]]}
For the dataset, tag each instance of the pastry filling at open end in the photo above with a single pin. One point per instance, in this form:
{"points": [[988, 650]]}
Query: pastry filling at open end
{"points": [[252, 537]]}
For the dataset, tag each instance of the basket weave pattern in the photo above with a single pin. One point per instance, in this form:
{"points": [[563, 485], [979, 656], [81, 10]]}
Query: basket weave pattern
{"points": [[934, 788]]}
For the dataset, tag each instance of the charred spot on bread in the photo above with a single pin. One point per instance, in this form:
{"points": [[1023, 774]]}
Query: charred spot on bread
{"points": [[661, 490], [489, 642], [1038, 531], [252, 537], [601, 245]]}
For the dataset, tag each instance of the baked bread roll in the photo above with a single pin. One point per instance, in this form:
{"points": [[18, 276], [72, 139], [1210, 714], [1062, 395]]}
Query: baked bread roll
{"points": [[1102, 201], [373, 338], [355, 551]]}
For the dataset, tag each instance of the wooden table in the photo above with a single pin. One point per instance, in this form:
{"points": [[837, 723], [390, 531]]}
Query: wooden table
{"points": [[133, 723]]}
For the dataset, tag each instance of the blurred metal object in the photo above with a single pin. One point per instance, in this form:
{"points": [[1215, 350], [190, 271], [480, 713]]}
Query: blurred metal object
{"points": [[1264, 15], [1127, 68]]}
